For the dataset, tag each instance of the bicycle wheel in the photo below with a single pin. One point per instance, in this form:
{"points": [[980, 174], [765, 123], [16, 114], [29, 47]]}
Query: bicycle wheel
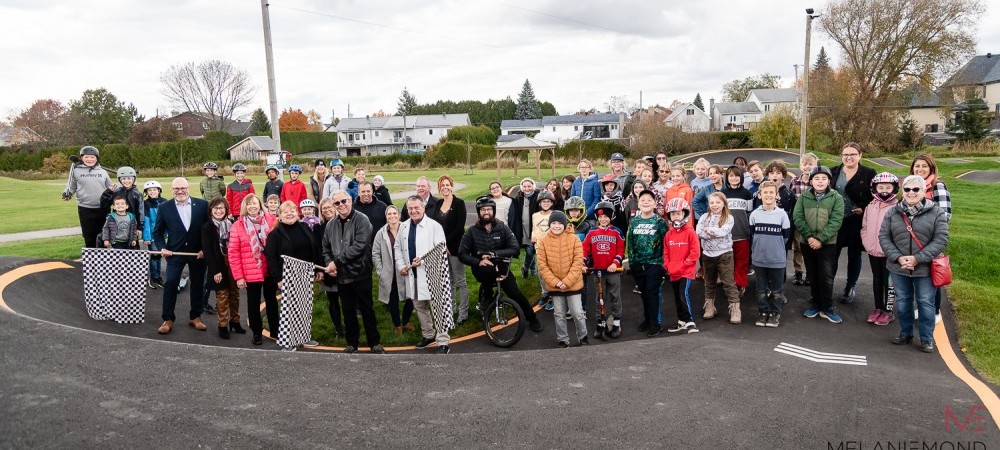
{"points": [[504, 323]]}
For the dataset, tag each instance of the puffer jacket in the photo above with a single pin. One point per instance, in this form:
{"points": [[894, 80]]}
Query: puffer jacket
{"points": [[241, 259], [871, 225], [236, 192], [150, 209], [214, 187], [681, 250], [132, 197], [819, 219], [590, 190], [931, 227], [348, 243], [476, 242], [560, 258]]}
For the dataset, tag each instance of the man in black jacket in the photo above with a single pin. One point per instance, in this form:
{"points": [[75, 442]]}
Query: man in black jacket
{"points": [[488, 239], [853, 181], [370, 206]]}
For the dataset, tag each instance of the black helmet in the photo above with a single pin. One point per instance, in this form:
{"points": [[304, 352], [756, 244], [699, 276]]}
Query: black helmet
{"points": [[486, 202], [239, 167], [823, 170], [604, 209], [90, 150], [545, 195], [210, 165]]}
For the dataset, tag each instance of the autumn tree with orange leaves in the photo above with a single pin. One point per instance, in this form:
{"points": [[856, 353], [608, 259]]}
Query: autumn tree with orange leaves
{"points": [[293, 120]]}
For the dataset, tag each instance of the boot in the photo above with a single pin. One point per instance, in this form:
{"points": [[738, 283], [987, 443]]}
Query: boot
{"points": [[797, 279], [735, 316], [709, 310], [224, 332], [397, 330], [237, 328]]}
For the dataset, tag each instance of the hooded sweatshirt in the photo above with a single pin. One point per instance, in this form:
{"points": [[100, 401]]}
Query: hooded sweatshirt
{"points": [[681, 251], [88, 183], [604, 246]]}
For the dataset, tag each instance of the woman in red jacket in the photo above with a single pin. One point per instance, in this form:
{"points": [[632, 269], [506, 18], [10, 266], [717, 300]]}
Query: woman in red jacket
{"points": [[247, 239]]}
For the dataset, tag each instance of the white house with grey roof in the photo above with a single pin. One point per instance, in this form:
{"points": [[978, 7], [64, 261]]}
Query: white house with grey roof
{"points": [[560, 129], [689, 118], [771, 99], [394, 134], [735, 116]]}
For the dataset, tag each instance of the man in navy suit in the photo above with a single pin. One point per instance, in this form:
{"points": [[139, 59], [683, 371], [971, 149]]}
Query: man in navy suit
{"points": [[178, 229]]}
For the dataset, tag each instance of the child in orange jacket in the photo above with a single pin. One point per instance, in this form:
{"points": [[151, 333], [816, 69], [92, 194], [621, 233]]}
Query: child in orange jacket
{"points": [[679, 189], [680, 259]]}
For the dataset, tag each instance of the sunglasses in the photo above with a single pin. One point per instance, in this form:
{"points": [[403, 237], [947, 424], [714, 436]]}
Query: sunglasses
{"points": [[915, 189], [340, 202]]}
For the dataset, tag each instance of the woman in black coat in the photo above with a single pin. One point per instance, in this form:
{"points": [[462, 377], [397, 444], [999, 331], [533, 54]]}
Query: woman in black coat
{"points": [[291, 238], [853, 181], [381, 192], [215, 243]]}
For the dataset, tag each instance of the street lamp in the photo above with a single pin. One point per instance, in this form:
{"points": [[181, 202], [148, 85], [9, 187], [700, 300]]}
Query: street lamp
{"points": [[804, 112]]}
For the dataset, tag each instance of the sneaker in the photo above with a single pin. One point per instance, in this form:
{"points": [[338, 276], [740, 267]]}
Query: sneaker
{"points": [[831, 315], [549, 306], [599, 333], [751, 272], [288, 349], [535, 326], [885, 318], [654, 330], [443, 350], [310, 343], [350, 349], [424, 342], [761, 319], [811, 312], [850, 294], [635, 290], [584, 341], [158, 282], [541, 301], [209, 309], [797, 279], [616, 332], [562, 344], [378, 349], [874, 315], [773, 320], [681, 326], [901, 340], [644, 326]]}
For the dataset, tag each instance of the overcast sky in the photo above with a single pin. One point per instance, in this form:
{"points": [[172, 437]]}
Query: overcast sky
{"points": [[331, 54]]}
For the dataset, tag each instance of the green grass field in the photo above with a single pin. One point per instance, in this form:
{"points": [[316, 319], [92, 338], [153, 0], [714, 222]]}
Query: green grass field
{"points": [[34, 205]]}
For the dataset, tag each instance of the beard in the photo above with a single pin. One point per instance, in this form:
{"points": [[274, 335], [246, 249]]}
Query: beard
{"points": [[487, 220]]}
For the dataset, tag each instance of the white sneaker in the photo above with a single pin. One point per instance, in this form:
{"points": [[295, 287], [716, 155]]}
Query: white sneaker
{"points": [[681, 326], [310, 343]]}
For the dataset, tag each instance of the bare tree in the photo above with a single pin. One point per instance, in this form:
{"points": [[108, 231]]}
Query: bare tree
{"points": [[214, 87]]}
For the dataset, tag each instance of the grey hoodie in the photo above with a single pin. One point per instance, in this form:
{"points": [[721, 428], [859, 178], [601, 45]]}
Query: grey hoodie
{"points": [[88, 184]]}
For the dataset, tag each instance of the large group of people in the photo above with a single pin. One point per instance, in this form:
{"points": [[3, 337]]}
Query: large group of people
{"points": [[658, 223]]}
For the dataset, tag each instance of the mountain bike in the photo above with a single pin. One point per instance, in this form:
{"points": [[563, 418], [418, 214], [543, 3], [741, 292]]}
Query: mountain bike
{"points": [[503, 320]]}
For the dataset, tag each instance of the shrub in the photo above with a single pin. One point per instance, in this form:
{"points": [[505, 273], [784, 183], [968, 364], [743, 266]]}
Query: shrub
{"points": [[296, 142], [479, 134]]}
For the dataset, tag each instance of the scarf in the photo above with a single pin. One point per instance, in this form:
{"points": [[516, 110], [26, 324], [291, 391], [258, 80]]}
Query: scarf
{"points": [[257, 230], [911, 211], [929, 186], [223, 226]]}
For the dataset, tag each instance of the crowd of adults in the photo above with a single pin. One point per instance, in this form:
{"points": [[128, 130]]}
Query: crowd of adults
{"points": [[231, 240]]}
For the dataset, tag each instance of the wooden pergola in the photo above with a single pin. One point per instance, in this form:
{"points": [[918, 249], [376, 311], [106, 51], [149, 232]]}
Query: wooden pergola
{"points": [[533, 145]]}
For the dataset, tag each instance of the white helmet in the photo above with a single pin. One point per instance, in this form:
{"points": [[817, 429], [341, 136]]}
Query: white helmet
{"points": [[152, 184], [307, 203]]}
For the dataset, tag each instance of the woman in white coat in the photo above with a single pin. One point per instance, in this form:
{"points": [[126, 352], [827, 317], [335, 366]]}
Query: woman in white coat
{"points": [[390, 284]]}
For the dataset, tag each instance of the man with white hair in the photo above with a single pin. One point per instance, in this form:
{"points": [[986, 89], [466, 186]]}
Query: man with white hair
{"points": [[424, 192], [415, 238]]}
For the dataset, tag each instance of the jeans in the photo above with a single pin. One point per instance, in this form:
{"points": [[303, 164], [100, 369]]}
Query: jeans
{"points": [[880, 281], [458, 283], [487, 275], [155, 272], [920, 290], [850, 237], [649, 278], [196, 272], [357, 296], [769, 280], [529, 258], [560, 302], [393, 308], [822, 266], [269, 290]]}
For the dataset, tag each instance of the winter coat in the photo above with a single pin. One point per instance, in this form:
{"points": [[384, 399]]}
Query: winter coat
{"points": [[429, 233], [453, 222], [317, 187], [700, 201], [820, 219], [858, 188], [603, 247], [374, 211], [382, 193], [384, 260], [590, 190], [216, 260], [293, 191], [273, 187], [236, 192], [280, 243], [681, 251], [333, 185], [348, 243], [132, 197], [476, 242], [516, 209], [931, 227], [560, 258], [88, 183], [212, 188], [241, 259], [110, 230], [151, 207], [871, 225]]}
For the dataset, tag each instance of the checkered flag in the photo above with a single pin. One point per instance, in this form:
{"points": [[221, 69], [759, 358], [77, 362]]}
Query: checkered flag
{"points": [[435, 264], [114, 284], [295, 323]]}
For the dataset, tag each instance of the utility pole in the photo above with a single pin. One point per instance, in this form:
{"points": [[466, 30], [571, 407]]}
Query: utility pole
{"points": [[796, 66], [271, 92], [804, 112]]}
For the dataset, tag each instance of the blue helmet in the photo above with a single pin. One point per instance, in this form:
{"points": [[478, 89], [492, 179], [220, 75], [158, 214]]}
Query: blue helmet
{"points": [[336, 162], [295, 168]]}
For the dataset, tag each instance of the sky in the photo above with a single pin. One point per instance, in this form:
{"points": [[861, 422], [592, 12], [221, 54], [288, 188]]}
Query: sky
{"points": [[333, 55]]}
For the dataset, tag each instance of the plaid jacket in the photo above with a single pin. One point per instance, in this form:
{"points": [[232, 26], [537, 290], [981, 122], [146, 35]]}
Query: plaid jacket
{"points": [[941, 197]]}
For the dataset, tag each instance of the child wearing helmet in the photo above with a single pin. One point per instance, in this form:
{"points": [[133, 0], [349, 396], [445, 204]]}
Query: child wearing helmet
{"points": [[680, 260], [293, 190], [239, 189], [604, 250], [150, 209], [884, 187], [133, 198], [213, 185], [612, 194], [817, 216], [273, 184], [88, 180], [770, 228], [308, 210], [539, 229]]}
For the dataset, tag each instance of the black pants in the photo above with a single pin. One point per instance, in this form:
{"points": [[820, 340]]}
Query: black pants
{"points": [[487, 277], [648, 277], [393, 307], [682, 299], [333, 305], [850, 236], [822, 266], [880, 280], [91, 224], [196, 272], [269, 289], [354, 297]]}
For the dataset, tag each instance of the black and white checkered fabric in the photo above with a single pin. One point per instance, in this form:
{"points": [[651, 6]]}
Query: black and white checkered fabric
{"points": [[295, 323], [435, 263], [114, 284]]}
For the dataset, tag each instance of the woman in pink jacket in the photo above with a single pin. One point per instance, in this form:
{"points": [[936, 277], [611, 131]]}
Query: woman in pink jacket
{"points": [[247, 238], [885, 187]]}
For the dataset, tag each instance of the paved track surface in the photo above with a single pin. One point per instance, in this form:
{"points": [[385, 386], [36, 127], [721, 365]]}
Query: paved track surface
{"points": [[982, 176], [726, 387]]}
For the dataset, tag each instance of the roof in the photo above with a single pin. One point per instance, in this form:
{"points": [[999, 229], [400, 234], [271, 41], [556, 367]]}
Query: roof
{"points": [[233, 127], [508, 138], [582, 119], [737, 108], [917, 96], [400, 122], [981, 69], [682, 109], [781, 95], [264, 143], [514, 123], [11, 136], [525, 142]]}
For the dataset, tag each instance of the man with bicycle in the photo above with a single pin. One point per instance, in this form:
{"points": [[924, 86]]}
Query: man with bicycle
{"points": [[483, 244]]}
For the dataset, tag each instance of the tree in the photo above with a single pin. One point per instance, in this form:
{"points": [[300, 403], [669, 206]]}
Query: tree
{"points": [[152, 130], [971, 124], [213, 87], [621, 104], [697, 101], [527, 106], [822, 63], [100, 118], [293, 120], [259, 125], [407, 102], [910, 137], [777, 129], [380, 113], [45, 117], [315, 120], [738, 90]]}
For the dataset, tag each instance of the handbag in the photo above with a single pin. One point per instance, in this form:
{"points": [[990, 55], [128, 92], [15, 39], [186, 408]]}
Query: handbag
{"points": [[940, 265]]}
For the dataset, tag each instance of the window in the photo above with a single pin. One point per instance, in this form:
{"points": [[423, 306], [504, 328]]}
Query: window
{"points": [[690, 111], [179, 126], [576, 128], [377, 133], [614, 127], [767, 108], [430, 131], [931, 128], [204, 125]]}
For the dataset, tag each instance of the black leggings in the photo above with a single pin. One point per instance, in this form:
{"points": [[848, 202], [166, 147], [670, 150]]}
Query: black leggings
{"points": [[393, 307], [91, 225], [880, 280], [333, 305], [487, 279], [269, 289]]}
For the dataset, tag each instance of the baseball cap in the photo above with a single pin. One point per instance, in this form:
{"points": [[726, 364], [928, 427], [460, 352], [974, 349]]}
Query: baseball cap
{"points": [[617, 157]]}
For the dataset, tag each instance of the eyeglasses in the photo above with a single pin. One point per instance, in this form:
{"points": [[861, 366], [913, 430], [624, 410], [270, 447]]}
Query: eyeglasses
{"points": [[850, 155], [218, 208], [662, 171], [913, 189], [661, 158], [340, 202], [179, 189]]}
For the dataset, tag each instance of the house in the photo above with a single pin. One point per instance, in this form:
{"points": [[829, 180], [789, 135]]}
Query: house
{"points": [[11, 136], [689, 118], [394, 134], [735, 116], [979, 78], [194, 125], [770, 99], [560, 129], [251, 148], [925, 108], [657, 113]]}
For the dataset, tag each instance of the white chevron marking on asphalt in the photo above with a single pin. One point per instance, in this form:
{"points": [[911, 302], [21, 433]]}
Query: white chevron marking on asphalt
{"points": [[821, 357]]}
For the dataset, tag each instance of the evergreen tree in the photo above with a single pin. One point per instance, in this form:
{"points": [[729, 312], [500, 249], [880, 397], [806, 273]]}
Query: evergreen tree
{"points": [[527, 105], [406, 103], [972, 124], [259, 125], [697, 101], [822, 62]]}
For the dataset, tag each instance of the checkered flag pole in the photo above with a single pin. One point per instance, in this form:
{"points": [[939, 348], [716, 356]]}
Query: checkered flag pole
{"points": [[295, 318], [435, 265], [114, 284]]}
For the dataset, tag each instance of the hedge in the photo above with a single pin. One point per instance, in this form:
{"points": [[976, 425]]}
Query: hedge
{"points": [[479, 134], [412, 160], [296, 142]]}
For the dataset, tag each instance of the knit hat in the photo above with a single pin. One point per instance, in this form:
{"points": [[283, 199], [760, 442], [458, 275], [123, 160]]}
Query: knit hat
{"points": [[558, 216], [380, 179]]}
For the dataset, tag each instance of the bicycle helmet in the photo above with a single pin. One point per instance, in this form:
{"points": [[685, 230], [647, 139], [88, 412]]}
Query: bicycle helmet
{"points": [[610, 178], [295, 168], [823, 170], [885, 177], [210, 165], [545, 195], [336, 162], [152, 184], [307, 203], [90, 150], [271, 167], [678, 204], [604, 209], [486, 202], [126, 171], [239, 167], [575, 202]]}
